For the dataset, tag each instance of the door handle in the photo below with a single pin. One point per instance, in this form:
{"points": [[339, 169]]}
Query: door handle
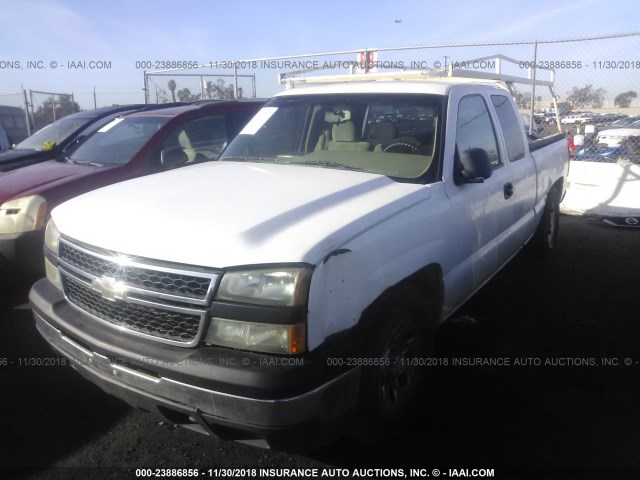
{"points": [[508, 190]]}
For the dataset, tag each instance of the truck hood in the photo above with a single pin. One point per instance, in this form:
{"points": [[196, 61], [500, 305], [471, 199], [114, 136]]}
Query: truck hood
{"points": [[35, 179], [223, 214]]}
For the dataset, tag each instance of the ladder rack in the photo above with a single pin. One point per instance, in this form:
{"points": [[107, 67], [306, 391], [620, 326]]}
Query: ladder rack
{"points": [[299, 77]]}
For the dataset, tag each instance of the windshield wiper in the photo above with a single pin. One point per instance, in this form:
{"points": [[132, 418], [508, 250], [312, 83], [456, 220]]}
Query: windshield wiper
{"points": [[319, 163], [83, 162]]}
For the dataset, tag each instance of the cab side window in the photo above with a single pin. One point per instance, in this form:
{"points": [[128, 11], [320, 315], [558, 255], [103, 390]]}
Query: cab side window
{"points": [[508, 120], [475, 128]]}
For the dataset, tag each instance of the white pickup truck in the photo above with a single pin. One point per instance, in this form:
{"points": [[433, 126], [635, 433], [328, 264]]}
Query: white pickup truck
{"points": [[288, 292]]}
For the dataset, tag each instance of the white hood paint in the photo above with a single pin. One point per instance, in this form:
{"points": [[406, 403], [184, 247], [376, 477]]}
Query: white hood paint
{"points": [[223, 214]]}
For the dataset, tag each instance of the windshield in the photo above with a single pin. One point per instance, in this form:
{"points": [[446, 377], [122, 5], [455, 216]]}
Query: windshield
{"points": [[388, 134], [118, 141], [57, 132]]}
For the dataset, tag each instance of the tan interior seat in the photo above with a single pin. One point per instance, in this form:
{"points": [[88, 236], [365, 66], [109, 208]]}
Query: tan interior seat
{"points": [[381, 135], [185, 143], [343, 138], [384, 134]]}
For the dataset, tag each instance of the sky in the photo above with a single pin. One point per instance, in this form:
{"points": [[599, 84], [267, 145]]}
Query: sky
{"points": [[121, 33]]}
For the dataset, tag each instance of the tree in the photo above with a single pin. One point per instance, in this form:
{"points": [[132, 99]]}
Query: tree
{"points": [[219, 90], [208, 89], [172, 88], [161, 96], [564, 107], [523, 100], [185, 95], [63, 106], [624, 99], [586, 96]]}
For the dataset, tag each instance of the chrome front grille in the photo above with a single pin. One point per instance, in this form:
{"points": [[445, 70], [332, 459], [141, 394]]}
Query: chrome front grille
{"points": [[148, 277], [157, 322], [167, 304]]}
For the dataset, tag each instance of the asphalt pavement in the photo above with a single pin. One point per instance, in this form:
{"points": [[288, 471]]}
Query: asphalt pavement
{"points": [[536, 381]]}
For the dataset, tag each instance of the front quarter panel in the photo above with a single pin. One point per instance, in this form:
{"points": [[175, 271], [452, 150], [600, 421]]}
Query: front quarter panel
{"points": [[354, 275]]}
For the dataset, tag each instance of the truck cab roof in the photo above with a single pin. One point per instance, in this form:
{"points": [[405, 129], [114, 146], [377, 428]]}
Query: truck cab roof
{"points": [[433, 87]]}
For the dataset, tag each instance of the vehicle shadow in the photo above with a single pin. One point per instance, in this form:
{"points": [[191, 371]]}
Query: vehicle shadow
{"points": [[563, 411], [49, 410]]}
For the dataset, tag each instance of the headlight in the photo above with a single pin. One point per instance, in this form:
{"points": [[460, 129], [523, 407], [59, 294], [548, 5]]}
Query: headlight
{"points": [[23, 214], [53, 274], [286, 287], [51, 236], [259, 337]]}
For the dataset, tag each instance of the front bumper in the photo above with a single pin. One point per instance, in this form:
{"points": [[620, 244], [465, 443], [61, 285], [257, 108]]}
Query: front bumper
{"points": [[21, 254], [172, 384]]}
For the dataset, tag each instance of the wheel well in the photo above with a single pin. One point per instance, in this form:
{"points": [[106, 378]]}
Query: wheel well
{"points": [[559, 185], [426, 284]]}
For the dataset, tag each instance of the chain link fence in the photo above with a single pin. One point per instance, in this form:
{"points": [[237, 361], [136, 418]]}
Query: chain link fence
{"points": [[47, 107], [12, 99], [596, 80], [185, 87], [610, 64]]}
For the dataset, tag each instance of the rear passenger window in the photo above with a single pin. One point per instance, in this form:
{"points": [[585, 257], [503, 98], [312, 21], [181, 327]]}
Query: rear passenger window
{"points": [[475, 129], [510, 125]]}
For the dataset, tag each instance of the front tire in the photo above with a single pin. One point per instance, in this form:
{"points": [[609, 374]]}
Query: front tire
{"points": [[391, 393]]}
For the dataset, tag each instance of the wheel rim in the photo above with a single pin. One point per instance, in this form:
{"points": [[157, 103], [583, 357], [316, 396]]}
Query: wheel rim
{"points": [[397, 380]]}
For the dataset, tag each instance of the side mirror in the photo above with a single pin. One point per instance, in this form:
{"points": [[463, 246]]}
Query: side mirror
{"points": [[474, 166]]}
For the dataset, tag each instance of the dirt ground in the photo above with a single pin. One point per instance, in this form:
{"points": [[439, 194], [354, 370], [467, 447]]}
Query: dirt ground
{"points": [[576, 308]]}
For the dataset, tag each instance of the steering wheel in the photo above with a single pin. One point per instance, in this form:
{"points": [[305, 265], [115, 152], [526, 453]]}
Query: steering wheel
{"points": [[400, 147]]}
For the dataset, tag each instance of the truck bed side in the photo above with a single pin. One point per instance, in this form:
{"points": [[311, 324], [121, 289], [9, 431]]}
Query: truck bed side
{"points": [[551, 159]]}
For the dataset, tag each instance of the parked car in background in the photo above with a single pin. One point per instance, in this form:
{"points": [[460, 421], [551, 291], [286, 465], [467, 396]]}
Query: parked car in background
{"points": [[49, 142], [129, 146], [587, 118], [4, 140], [578, 118], [601, 154], [569, 119], [550, 118], [623, 122], [530, 131], [14, 122], [627, 136]]}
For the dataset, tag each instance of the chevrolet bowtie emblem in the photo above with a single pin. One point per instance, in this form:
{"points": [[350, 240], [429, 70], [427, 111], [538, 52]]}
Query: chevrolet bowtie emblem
{"points": [[110, 288]]}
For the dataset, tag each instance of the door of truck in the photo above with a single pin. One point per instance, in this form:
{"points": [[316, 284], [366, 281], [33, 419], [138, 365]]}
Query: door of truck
{"points": [[481, 215], [522, 170]]}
